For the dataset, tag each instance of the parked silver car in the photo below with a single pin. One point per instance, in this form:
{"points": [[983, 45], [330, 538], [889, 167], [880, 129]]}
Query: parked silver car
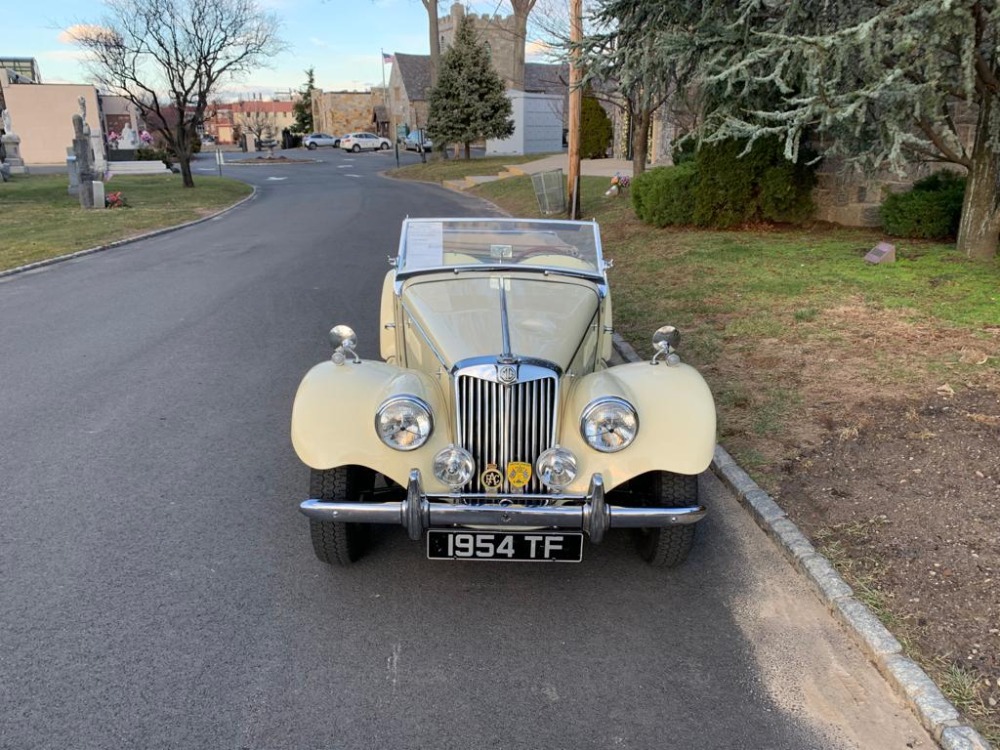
{"points": [[315, 140], [416, 140]]}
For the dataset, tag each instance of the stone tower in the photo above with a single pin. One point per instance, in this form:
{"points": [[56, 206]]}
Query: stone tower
{"points": [[496, 31]]}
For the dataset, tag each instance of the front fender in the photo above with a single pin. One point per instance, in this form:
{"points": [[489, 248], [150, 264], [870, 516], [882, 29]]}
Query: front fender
{"points": [[676, 421], [333, 417]]}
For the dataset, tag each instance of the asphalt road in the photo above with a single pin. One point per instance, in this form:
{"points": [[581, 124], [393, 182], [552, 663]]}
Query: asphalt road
{"points": [[158, 589]]}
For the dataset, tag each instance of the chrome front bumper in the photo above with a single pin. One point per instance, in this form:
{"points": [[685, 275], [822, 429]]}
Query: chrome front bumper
{"points": [[418, 513]]}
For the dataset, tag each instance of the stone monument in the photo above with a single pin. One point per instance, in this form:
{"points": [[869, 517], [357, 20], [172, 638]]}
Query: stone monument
{"points": [[12, 146], [83, 161]]}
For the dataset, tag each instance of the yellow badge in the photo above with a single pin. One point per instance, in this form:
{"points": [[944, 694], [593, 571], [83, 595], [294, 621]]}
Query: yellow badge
{"points": [[491, 478], [518, 474]]}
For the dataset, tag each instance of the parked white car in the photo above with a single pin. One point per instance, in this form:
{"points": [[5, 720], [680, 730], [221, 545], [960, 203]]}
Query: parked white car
{"points": [[364, 142]]}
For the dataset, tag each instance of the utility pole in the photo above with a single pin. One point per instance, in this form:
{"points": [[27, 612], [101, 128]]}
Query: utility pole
{"points": [[575, 107]]}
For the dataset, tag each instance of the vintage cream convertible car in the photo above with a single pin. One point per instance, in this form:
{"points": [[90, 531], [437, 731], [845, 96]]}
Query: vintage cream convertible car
{"points": [[494, 422]]}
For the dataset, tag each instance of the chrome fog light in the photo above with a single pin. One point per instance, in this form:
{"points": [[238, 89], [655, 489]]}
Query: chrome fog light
{"points": [[556, 467], [453, 466]]}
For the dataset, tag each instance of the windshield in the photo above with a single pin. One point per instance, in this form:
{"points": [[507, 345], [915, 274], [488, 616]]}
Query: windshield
{"points": [[531, 244]]}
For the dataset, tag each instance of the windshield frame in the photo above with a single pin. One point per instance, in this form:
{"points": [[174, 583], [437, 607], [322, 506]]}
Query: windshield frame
{"points": [[597, 275]]}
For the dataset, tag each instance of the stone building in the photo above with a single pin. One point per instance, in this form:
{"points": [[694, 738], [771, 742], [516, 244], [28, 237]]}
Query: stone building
{"points": [[341, 112]]}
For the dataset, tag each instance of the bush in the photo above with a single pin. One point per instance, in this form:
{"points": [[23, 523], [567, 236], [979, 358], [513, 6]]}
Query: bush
{"points": [[595, 130], [931, 210], [153, 154], [665, 196], [759, 186]]}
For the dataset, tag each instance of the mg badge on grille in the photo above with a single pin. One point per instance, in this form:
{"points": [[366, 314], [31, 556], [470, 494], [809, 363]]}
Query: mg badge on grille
{"points": [[507, 373], [491, 478]]}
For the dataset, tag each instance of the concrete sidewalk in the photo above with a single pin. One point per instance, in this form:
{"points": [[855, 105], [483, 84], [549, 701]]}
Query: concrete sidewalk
{"points": [[588, 167]]}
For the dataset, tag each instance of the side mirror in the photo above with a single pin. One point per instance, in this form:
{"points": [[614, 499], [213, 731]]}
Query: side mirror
{"points": [[344, 341], [665, 340]]}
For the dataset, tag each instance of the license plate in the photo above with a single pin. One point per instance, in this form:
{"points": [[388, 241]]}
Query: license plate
{"points": [[448, 544]]}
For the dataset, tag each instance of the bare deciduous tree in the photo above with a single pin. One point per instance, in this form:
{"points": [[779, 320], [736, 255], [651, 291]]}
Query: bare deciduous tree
{"points": [[168, 56], [254, 118]]}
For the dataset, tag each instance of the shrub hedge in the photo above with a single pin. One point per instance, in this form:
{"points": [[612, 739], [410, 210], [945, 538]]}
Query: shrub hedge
{"points": [[759, 186], [666, 195], [720, 189], [931, 210]]}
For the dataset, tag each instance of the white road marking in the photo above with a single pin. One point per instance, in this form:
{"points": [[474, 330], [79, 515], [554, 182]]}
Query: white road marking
{"points": [[352, 175], [392, 665], [277, 179], [344, 166]]}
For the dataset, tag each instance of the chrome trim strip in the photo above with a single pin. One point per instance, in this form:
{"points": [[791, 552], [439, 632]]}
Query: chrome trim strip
{"points": [[417, 513], [505, 355], [595, 277], [423, 334], [527, 365]]}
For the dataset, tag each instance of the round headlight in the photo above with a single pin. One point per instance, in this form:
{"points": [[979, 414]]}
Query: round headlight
{"points": [[556, 467], [453, 466], [609, 424], [404, 423]]}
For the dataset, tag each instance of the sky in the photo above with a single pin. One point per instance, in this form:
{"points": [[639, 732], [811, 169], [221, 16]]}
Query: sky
{"points": [[341, 39]]}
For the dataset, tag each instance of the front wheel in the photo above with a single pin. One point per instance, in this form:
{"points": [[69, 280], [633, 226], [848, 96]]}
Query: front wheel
{"points": [[340, 543], [670, 546], [355, 148], [384, 146], [311, 147]]}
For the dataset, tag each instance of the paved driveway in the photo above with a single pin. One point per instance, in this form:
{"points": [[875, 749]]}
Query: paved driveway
{"points": [[158, 590]]}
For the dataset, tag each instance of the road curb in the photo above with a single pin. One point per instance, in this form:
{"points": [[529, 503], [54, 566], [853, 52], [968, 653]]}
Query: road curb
{"points": [[119, 243], [934, 711]]}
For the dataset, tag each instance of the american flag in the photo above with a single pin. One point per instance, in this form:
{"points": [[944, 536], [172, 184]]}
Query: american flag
{"points": [[387, 59]]}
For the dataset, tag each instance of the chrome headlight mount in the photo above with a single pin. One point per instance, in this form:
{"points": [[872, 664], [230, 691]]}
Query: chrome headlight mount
{"points": [[609, 424], [404, 423]]}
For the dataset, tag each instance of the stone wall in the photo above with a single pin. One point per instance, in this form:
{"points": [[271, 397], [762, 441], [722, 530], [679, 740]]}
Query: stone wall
{"points": [[341, 112]]}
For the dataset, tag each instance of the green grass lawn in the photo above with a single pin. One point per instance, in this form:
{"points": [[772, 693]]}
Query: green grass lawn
{"points": [[437, 169], [767, 280], [39, 219]]}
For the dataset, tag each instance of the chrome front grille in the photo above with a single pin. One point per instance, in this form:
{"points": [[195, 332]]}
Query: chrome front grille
{"points": [[499, 423]]}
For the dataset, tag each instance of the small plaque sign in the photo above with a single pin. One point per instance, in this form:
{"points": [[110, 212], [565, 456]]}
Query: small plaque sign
{"points": [[883, 252]]}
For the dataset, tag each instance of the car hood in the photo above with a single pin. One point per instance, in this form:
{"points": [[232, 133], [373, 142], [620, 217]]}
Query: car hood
{"points": [[461, 317]]}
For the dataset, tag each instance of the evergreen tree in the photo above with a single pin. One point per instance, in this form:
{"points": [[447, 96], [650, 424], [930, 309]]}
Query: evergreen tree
{"points": [[596, 130], [303, 108], [469, 102], [887, 82]]}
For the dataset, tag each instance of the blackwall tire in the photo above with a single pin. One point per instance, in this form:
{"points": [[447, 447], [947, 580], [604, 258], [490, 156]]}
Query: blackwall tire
{"points": [[355, 148], [668, 547], [340, 543], [311, 147]]}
